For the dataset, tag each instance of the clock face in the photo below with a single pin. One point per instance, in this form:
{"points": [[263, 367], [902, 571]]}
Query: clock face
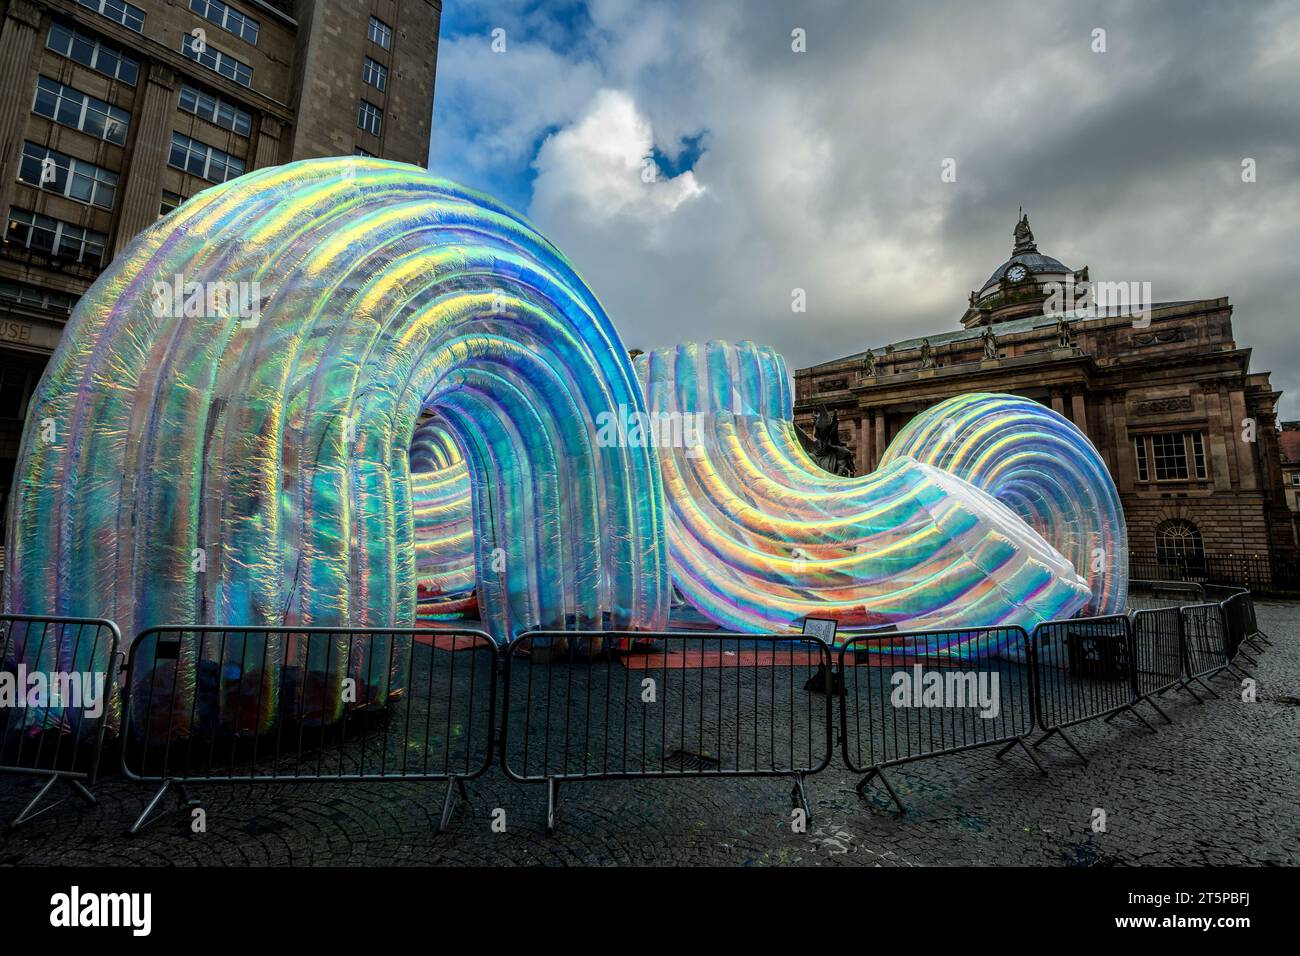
{"points": [[1017, 272]]}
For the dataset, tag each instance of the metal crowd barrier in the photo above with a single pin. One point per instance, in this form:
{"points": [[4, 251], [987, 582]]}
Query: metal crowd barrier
{"points": [[588, 707], [278, 705], [909, 696], [1153, 595], [1209, 639], [1158, 655], [1083, 669], [49, 724]]}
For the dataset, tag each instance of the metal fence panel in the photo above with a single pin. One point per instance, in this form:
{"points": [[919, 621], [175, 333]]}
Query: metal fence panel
{"points": [[1205, 630], [1258, 573], [58, 698], [1157, 652], [203, 708], [575, 708], [909, 696], [1083, 669], [265, 704]]}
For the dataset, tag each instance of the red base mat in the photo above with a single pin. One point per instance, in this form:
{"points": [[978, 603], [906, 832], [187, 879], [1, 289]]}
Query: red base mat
{"points": [[695, 658]]}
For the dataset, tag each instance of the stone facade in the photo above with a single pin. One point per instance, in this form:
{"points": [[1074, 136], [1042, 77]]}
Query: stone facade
{"points": [[302, 99], [1165, 392], [1290, 440]]}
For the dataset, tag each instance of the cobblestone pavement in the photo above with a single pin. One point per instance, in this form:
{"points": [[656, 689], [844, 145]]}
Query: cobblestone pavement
{"points": [[1221, 786]]}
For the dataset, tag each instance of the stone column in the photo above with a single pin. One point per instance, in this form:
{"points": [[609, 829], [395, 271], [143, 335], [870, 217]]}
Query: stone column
{"points": [[151, 141], [880, 436], [19, 33], [1058, 402], [1079, 411], [1124, 470], [1247, 472]]}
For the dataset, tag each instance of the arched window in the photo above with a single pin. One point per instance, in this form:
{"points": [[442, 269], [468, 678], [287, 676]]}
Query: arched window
{"points": [[1178, 544]]}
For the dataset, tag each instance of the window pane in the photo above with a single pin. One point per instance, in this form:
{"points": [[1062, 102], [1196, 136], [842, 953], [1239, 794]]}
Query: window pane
{"points": [[1170, 456]]}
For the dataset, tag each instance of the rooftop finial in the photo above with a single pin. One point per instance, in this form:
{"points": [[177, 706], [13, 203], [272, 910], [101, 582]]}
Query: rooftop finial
{"points": [[1024, 236]]}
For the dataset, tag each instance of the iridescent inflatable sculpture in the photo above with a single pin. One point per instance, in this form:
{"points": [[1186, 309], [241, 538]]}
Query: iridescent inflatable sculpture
{"points": [[761, 536], [226, 431], [347, 392]]}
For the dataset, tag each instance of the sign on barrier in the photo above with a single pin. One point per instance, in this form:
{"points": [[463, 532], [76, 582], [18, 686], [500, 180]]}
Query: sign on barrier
{"points": [[57, 699], [909, 696], [266, 704], [1083, 669], [585, 707]]}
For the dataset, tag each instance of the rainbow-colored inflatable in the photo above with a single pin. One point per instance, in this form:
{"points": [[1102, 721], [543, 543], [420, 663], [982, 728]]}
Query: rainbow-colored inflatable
{"points": [[346, 392]]}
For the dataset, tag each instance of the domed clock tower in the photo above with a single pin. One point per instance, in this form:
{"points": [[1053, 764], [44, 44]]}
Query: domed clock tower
{"points": [[1018, 287]]}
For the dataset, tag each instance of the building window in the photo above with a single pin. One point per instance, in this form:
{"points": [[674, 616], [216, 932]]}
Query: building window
{"points": [[170, 201], [96, 54], [1174, 456], [370, 117], [58, 173], [19, 293], [1170, 454], [200, 159], [381, 33], [1178, 542], [54, 237], [358, 151], [1140, 450], [228, 18], [376, 74], [217, 61], [73, 108], [215, 110], [1295, 478], [118, 11]]}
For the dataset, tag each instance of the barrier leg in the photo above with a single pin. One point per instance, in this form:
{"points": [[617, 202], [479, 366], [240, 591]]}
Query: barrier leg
{"points": [[1028, 753], [799, 796], [1065, 737], [144, 820], [1246, 657], [1129, 708], [1157, 709], [879, 772], [552, 803], [1239, 673], [30, 812], [1208, 689], [1187, 686], [454, 785]]}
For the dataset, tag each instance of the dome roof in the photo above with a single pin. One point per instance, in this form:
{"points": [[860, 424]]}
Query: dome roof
{"points": [[1035, 262]]}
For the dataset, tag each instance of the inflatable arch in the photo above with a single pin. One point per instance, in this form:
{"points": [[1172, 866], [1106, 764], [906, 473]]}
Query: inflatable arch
{"points": [[250, 461]]}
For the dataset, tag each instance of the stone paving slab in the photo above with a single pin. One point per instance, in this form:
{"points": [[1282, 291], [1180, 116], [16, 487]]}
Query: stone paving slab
{"points": [[1221, 786]]}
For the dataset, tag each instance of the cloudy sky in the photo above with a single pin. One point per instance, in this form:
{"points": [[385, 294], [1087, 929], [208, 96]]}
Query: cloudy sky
{"points": [[821, 170]]}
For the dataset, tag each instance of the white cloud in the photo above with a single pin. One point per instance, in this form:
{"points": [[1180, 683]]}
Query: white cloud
{"points": [[601, 169]]}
